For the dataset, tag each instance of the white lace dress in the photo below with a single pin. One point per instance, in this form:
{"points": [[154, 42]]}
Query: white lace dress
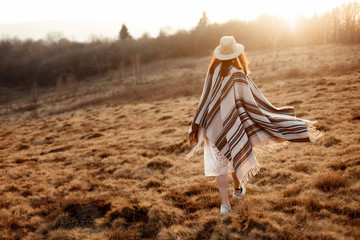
{"points": [[215, 163]]}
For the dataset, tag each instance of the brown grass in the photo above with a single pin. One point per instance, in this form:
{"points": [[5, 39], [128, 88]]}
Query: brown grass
{"points": [[330, 182], [107, 162], [331, 141]]}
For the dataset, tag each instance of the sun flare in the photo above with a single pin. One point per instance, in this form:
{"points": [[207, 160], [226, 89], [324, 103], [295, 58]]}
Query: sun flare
{"points": [[150, 16], [252, 9]]}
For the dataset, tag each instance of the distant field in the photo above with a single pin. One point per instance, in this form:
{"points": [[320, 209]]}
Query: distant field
{"points": [[105, 160]]}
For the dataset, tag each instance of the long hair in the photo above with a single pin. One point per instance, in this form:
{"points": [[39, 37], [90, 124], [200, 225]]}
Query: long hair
{"points": [[240, 62]]}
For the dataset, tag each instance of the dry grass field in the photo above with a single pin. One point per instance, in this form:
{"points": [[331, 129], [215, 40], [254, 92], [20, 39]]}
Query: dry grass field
{"points": [[107, 161]]}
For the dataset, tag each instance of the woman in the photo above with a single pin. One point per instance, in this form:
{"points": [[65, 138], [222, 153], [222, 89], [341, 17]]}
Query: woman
{"points": [[234, 119]]}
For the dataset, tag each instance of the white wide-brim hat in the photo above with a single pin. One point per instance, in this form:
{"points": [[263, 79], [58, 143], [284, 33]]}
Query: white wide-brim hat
{"points": [[228, 48]]}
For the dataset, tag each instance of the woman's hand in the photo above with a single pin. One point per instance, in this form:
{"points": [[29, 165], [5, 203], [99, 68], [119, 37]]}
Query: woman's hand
{"points": [[193, 138]]}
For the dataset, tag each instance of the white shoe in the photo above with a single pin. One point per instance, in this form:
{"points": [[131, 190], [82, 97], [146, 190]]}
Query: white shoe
{"points": [[238, 196], [224, 209]]}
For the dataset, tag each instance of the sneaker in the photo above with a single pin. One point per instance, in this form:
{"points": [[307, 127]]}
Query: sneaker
{"points": [[237, 196], [224, 209]]}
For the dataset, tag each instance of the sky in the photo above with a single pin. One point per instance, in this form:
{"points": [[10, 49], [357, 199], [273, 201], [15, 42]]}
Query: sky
{"points": [[83, 20]]}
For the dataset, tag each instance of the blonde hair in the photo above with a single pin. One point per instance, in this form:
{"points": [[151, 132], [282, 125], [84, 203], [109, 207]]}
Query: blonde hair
{"points": [[240, 62]]}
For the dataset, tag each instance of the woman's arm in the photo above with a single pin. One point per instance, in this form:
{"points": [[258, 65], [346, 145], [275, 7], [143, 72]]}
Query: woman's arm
{"points": [[201, 111]]}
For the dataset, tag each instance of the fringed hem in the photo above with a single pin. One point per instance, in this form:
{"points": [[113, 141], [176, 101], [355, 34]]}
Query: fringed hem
{"points": [[273, 143], [268, 145], [250, 173], [314, 134]]}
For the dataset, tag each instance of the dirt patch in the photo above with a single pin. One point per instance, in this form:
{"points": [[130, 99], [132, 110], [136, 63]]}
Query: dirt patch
{"points": [[82, 215]]}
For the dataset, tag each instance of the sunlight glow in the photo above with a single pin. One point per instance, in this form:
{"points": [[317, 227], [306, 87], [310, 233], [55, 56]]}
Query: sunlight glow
{"points": [[150, 16]]}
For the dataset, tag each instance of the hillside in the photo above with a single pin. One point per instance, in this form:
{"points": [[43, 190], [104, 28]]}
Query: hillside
{"points": [[105, 160]]}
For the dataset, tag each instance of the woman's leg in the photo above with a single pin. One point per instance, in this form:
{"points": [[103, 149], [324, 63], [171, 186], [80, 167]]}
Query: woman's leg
{"points": [[236, 182], [222, 181]]}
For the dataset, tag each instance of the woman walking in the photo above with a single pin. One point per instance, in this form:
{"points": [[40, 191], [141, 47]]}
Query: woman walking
{"points": [[234, 119]]}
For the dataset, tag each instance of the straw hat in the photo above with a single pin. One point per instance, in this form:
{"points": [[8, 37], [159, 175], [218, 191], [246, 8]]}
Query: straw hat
{"points": [[228, 48]]}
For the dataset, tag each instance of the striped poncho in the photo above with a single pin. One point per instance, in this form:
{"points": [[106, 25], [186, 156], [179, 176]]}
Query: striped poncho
{"points": [[237, 118]]}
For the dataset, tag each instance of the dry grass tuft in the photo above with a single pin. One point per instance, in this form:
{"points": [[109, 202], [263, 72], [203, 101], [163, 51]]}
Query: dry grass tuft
{"points": [[331, 141], [322, 128], [295, 72], [25, 160], [292, 191], [159, 164], [179, 200], [330, 182], [313, 205], [295, 102], [258, 225], [22, 147], [352, 214], [286, 205], [134, 213], [167, 131], [146, 222], [341, 165], [91, 136], [355, 117], [153, 184], [354, 172], [165, 215], [164, 118], [300, 167], [123, 234], [194, 190], [179, 147], [207, 229], [55, 150], [4, 203]]}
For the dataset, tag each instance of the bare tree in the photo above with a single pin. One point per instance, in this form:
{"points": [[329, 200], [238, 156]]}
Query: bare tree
{"points": [[71, 83], [326, 19], [335, 23], [53, 37], [121, 70], [355, 18], [34, 95], [136, 66], [59, 86], [204, 21]]}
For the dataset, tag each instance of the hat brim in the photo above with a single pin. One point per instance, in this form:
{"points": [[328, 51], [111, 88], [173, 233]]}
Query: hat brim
{"points": [[237, 52]]}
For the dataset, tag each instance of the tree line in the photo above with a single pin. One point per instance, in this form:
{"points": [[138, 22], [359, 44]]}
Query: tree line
{"points": [[24, 63]]}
